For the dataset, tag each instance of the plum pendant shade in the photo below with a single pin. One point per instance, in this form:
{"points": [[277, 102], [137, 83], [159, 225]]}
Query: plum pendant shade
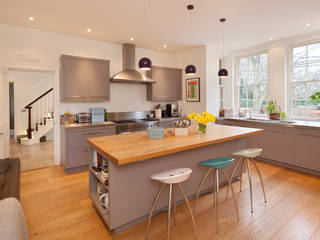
{"points": [[190, 70], [145, 64], [223, 73]]}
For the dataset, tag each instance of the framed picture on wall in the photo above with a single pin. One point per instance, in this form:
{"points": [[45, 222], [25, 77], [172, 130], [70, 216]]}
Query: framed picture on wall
{"points": [[193, 90]]}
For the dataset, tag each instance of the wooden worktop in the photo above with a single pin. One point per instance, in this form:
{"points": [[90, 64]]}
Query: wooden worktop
{"points": [[134, 147]]}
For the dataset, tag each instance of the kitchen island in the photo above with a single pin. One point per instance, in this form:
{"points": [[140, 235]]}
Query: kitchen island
{"points": [[132, 158]]}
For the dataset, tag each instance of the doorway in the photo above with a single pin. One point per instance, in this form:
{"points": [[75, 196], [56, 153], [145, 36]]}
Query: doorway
{"points": [[31, 108]]}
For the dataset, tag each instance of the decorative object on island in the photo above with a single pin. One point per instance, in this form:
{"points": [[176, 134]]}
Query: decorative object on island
{"points": [[202, 120], [190, 69], [155, 132], [273, 109], [181, 127], [223, 73], [193, 90]]}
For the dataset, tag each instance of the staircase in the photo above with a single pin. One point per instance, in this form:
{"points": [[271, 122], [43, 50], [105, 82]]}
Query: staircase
{"points": [[40, 123]]}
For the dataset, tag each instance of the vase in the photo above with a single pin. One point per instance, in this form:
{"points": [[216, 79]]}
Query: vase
{"points": [[202, 128]]}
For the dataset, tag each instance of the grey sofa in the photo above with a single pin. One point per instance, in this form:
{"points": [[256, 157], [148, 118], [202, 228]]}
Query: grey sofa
{"points": [[10, 178]]}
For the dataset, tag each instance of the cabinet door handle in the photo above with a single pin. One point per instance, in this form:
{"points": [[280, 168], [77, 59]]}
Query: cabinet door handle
{"points": [[276, 131], [309, 135], [91, 133]]}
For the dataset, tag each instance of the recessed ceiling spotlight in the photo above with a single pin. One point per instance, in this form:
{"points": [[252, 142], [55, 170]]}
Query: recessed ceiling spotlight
{"points": [[271, 39], [131, 39], [308, 24], [89, 30], [31, 18], [165, 45]]}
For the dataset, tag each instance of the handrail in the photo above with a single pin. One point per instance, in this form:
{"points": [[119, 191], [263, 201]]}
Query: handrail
{"points": [[38, 98], [29, 130]]}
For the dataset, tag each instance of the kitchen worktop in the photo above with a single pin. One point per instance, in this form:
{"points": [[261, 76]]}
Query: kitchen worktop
{"points": [[290, 123], [86, 125], [134, 147]]}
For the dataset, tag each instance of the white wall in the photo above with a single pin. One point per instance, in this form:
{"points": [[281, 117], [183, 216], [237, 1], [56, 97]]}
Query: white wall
{"points": [[197, 57], [4, 114], [277, 66], [27, 87], [30, 48]]}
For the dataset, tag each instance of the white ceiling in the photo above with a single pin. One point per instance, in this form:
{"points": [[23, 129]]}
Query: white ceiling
{"points": [[249, 22]]}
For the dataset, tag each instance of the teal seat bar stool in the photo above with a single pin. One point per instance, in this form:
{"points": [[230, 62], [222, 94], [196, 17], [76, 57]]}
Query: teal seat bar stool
{"points": [[214, 165], [244, 157]]}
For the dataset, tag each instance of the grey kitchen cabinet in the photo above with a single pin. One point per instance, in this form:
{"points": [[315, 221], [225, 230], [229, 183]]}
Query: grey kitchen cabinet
{"points": [[277, 144], [75, 152], [168, 85], [307, 148], [84, 79]]}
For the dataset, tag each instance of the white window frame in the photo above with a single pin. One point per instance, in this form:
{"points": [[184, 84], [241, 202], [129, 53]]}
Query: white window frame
{"points": [[290, 48], [236, 93]]}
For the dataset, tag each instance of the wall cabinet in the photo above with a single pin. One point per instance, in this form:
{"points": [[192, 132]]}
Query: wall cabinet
{"points": [[75, 152], [84, 79], [168, 86]]}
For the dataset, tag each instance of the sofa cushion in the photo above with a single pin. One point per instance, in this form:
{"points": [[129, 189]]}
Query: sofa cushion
{"points": [[4, 165], [11, 185], [2, 178]]}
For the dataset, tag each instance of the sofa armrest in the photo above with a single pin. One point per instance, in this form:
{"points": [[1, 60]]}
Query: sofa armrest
{"points": [[12, 221]]}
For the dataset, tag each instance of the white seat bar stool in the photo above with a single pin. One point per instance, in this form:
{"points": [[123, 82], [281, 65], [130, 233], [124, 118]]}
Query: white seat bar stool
{"points": [[244, 157], [171, 178]]}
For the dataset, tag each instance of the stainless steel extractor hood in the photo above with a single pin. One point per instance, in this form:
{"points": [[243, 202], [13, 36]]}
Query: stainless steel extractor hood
{"points": [[129, 74]]}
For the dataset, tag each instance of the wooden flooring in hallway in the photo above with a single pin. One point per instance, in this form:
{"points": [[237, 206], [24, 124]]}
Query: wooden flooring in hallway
{"points": [[57, 206]]}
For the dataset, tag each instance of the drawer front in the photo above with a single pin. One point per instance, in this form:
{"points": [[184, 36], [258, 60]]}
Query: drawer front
{"points": [[78, 157], [79, 138]]}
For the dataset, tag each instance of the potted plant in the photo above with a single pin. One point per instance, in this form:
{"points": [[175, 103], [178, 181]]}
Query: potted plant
{"points": [[315, 100], [273, 109]]}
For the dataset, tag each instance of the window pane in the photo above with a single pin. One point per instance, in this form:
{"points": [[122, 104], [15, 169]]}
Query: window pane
{"points": [[299, 73], [253, 74], [314, 71], [314, 52], [299, 91], [299, 55]]}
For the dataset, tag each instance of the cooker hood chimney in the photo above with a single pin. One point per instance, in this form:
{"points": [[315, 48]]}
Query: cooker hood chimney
{"points": [[129, 74]]}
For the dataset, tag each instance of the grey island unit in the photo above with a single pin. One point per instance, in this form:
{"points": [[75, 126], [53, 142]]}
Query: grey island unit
{"points": [[132, 158]]}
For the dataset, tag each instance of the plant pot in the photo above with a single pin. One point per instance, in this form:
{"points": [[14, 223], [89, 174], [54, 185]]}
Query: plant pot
{"points": [[274, 116], [202, 128]]}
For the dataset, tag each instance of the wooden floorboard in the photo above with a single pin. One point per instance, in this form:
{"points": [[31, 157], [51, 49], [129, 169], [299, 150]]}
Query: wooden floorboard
{"points": [[57, 206]]}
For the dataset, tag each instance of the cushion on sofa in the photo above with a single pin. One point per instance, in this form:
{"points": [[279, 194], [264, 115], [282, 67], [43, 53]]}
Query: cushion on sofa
{"points": [[4, 165], [11, 185]]}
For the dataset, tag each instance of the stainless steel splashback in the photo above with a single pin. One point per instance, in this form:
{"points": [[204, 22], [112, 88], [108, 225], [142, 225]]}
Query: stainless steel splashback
{"points": [[120, 116]]}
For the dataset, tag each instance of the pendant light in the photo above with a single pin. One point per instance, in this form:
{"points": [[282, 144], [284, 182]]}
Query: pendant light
{"points": [[145, 63], [190, 69], [223, 73]]}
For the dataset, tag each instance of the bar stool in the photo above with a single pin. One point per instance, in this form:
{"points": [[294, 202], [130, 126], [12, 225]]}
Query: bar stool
{"points": [[215, 165], [244, 156], [172, 178]]}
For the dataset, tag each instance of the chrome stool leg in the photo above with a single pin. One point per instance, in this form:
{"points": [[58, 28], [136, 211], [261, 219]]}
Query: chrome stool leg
{"points": [[261, 181], [200, 187], [174, 205], [250, 183], [152, 209], [232, 173], [216, 171], [169, 211], [242, 165], [214, 194], [191, 213], [233, 195]]}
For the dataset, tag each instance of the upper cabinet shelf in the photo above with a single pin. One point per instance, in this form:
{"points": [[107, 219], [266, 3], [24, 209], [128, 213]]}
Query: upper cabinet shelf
{"points": [[84, 79], [168, 86]]}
